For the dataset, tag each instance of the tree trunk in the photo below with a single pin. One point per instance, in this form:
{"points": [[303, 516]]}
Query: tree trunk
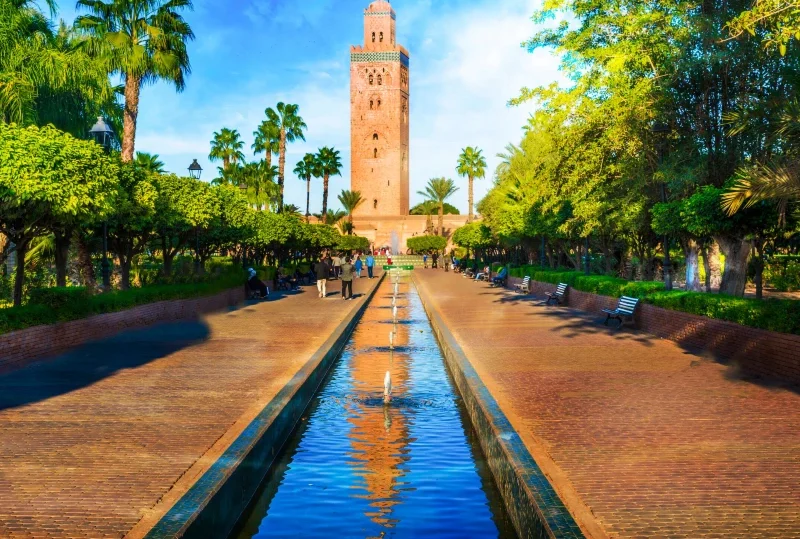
{"points": [[167, 255], [125, 272], [19, 278], [325, 179], [692, 252], [308, 197], [130, 115], [736, 252], [441, 219], [471, 200], [281, 166], [715, 266], [86, 268], [62, 254], [758, 279], [706, 266]]}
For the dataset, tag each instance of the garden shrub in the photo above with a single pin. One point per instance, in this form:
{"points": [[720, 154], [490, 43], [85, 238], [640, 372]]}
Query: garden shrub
{"points": [[59, 297], [783, 272]]}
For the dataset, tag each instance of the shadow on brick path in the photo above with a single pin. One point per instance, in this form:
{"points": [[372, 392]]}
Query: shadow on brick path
{"points": [[94, 361]]}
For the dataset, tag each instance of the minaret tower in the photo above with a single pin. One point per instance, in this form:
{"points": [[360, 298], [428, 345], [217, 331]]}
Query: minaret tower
{"points": [[379, 112]]}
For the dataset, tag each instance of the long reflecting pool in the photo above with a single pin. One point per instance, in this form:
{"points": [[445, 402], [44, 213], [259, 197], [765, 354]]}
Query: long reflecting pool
{"points": [[358, 467]]}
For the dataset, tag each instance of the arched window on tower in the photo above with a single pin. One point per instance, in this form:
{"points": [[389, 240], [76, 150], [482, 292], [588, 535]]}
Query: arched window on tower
{"points": [[373, 37], [374, 136], [375, 153], [380, 80], [370, 79], [381, 37], [375, 203], [370, 104], [379, 104]]}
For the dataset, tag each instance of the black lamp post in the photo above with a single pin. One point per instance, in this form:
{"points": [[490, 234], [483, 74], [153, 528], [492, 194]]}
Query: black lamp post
{"points": [[195, 170], [103, 135], [661, 131]]}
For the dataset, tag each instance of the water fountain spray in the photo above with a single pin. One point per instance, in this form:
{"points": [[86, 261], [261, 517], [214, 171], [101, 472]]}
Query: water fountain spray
{"points": [[394, 315]]}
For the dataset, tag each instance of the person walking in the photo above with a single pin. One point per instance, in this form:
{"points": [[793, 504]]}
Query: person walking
{"points": [[447, 259], [347, 279], [370, 264], [337, 266], [425, 260], [358, 266], [322, 270], [435, 260]]}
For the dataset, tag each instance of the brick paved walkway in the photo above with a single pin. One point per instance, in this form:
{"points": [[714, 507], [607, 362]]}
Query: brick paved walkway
{"points": [[90, 441], [640, 438]]}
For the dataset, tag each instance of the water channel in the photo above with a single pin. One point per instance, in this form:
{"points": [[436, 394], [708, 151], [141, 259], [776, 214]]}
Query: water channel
{"points": [[359, 467]]}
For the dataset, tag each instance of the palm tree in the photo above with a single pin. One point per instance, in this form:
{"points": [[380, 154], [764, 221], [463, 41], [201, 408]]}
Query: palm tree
{"points": [[471, 164], [329, 165], [429, 207], [305, 169], [141, 40], [227, 146], [267, 140], [764, 182], [149, 162], [259, 180], [350, 201], [332, 217], [291, 127], [439, 190]]}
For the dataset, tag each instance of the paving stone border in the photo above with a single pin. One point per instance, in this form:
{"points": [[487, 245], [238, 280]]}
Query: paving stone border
{"points": [[756, 351], [20, 348], [213, 504], [532, 503]]}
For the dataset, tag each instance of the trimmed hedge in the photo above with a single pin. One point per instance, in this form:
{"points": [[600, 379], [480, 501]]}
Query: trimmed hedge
{"points": [[53, 305], [782, 316]]}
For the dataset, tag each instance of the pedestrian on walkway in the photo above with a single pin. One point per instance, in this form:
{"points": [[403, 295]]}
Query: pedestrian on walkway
{"points": [[370, 264], [358, 265], [447, 259], [425, 260], [347, 279], [435, 260], [322, 271]]}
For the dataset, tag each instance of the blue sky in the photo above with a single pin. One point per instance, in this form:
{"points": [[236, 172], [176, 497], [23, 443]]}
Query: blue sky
{"points": [[466, 62]]}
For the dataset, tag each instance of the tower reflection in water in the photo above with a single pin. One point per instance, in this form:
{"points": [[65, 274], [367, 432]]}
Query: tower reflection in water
{"points": [[356, 467]]}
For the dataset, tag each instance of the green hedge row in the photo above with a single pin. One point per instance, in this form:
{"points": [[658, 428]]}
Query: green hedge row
{"points": [[782, 316], [52, 305]]}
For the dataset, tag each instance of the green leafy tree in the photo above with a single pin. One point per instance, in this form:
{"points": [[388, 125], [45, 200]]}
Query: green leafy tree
{"points": [[439, 190], [149, 162], [141, 40], [330, 164], [305, 169], [780, 18], [291, 127], [471, 164], [350, 201], [226, 146], [426, 244], [50, 181]]}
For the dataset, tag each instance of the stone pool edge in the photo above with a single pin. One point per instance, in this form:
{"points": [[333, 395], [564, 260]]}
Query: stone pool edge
{"points": [[531, 502], [212, 506]]}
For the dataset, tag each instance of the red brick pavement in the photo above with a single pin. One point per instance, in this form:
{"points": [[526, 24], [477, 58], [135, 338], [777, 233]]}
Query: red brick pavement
{"points": [[640, 438], [92, 440]]}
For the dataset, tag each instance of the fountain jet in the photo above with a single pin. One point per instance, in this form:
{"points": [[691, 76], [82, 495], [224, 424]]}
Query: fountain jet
{"points": [[387, 387]]}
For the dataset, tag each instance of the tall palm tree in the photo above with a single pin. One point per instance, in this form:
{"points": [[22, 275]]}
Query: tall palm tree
{"points": [[259, 180], [141, 40], [291, 127], [305, 169], [329, 165], [350, 201], [227, 146], [471, 164], [267, 140], [149, 162], [331, 217], [429, 207], [439, 190]]}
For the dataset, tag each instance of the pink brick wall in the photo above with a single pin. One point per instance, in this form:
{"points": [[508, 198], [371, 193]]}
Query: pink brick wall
{"points": [[775, 355], [20, 348]]}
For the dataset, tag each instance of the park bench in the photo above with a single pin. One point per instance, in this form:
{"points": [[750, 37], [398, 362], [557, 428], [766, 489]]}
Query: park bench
{"points": [[558, 295], [500, 279], [524, 286], [625, 309]]}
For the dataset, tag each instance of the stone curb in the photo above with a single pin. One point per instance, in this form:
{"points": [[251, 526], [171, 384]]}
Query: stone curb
{"points": [[532, 503], [213, 504]]}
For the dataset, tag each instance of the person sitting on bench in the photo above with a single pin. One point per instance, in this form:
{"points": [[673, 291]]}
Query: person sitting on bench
{"points": [[255, 284], [500, 278], [482, 275]]}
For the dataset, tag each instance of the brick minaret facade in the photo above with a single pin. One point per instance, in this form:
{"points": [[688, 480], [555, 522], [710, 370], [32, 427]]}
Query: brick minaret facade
{"points": [[379, 112]]}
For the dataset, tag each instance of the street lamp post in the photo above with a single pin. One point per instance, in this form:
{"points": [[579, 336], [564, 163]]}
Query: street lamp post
{"points": [[661, 131], [195, 170], [103, 135]]}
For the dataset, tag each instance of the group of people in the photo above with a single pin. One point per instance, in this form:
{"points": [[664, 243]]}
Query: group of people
{"points": [[344, 268], [448, 259]]}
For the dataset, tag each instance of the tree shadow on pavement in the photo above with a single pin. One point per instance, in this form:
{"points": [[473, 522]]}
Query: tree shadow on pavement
{"points": [[95, 361]]}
